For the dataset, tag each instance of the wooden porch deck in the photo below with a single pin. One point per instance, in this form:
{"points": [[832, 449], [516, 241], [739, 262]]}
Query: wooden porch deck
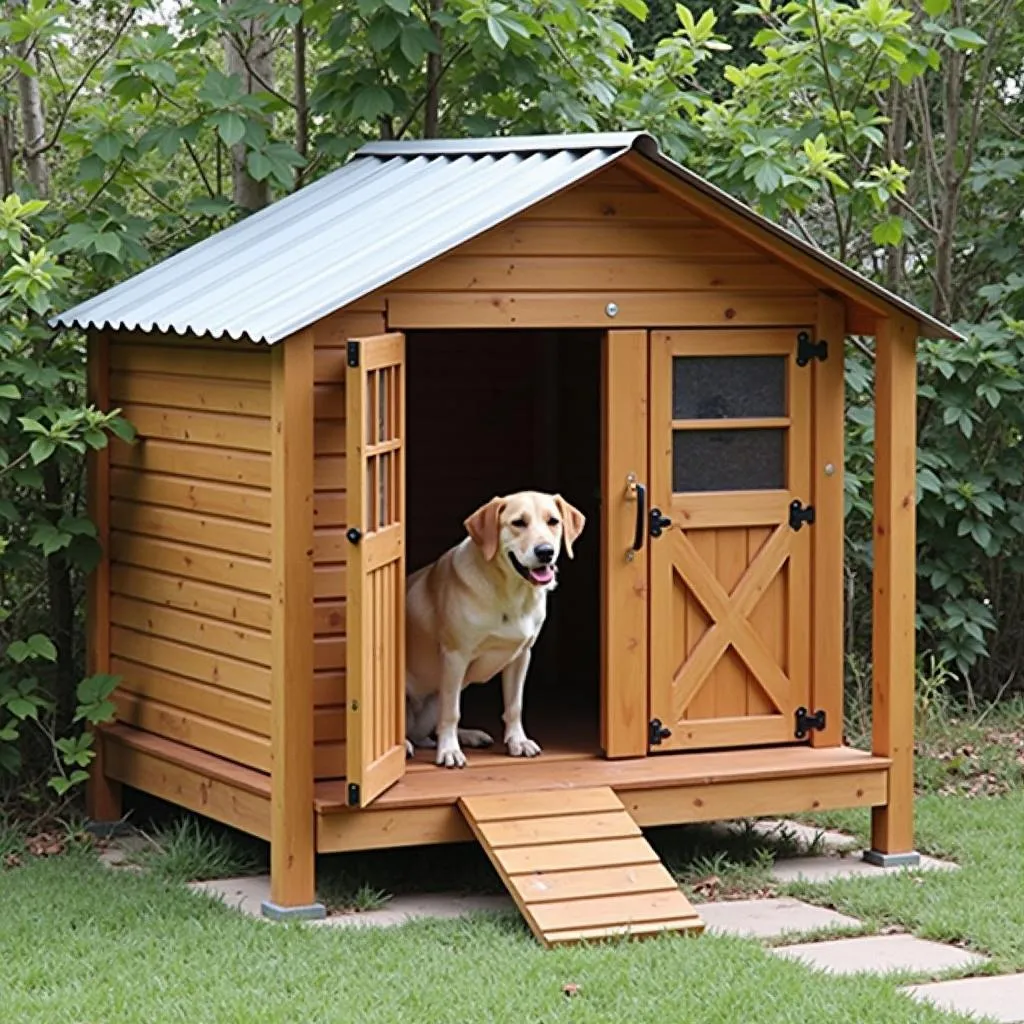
{"points": [[423, 808]]}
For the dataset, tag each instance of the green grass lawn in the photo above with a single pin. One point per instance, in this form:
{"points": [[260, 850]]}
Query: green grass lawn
{"points": [[80, 944]]}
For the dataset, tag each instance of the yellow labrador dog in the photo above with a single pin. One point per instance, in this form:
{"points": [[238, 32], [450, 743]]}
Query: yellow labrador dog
{"points": [[477, 611]]}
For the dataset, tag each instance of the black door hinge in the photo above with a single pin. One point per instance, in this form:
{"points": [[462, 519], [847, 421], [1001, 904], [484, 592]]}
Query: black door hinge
{"points": [[657, 732], [806, 350], [800, 514], [353, 353], [353, 794], [806, 722]]}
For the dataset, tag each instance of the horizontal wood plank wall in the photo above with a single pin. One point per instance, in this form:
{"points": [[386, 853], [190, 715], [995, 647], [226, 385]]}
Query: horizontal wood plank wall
{"points": [[329, 524], [613, 238], [190, 543]]}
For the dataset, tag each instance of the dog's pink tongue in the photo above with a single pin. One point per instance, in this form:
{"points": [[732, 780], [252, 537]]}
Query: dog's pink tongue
{"points": [[545, 574]]}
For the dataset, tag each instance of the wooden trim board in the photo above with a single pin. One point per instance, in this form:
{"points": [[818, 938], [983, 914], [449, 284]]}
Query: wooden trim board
{"points": [[292, 873]]}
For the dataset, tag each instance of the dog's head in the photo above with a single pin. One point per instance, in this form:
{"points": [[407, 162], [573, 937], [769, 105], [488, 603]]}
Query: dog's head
{"points": [[528, 531]]}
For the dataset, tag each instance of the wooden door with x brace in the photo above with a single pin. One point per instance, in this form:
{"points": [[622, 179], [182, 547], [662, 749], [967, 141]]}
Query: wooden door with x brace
{"points": [[730, 555]]}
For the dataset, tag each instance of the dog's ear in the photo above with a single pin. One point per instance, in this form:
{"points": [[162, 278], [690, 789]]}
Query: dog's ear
{"points": [[573, 521], [484, 525]]}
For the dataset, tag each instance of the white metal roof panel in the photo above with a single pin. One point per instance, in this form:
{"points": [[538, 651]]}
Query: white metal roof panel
{"points": [[394, 207]]}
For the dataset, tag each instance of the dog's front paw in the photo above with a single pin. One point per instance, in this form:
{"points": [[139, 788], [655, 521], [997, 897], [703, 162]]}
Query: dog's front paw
{"points": [[409, 750], [521, 746], [450, 757]]}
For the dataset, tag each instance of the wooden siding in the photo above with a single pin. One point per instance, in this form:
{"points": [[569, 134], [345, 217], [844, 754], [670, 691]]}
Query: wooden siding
{"points": [[190, 544], [611, 238]]}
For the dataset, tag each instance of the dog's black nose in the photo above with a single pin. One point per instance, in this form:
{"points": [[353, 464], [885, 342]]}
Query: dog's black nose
{"points": [[545, 553]]}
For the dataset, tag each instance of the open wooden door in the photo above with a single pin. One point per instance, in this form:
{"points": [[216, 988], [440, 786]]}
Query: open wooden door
{"points": [[730, 450], [375, 608]]}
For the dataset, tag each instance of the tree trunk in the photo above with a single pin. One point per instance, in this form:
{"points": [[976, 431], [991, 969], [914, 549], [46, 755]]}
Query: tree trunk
{"points": [[896, 152], [33, 120], [431, 114], [248, 53], [6, 152], [58, 574], [62, 602], [301, 101]]}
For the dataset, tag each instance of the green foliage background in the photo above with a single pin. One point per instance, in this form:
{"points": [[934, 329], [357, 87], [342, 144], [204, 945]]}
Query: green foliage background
{"points": [[889, 134]]}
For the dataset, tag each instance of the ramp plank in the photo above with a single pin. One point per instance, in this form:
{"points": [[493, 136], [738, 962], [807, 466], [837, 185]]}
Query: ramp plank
{"points": [[550, 886], [578, 866], [519, 860]]}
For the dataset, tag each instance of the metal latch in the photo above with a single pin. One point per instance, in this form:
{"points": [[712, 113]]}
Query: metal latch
{"points": [[657, 732]]}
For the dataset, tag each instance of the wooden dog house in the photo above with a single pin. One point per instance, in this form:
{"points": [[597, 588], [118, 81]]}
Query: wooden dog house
{"points": [[325, 390]]}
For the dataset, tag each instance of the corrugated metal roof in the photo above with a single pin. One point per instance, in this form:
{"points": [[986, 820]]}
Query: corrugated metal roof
{"points": [[394, 207]]}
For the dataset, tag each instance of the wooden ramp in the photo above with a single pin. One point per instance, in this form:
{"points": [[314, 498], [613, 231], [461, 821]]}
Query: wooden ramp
{"points": [[577, 865]]}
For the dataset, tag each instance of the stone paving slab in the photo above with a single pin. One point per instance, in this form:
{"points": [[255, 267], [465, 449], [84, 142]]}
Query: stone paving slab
{"points": [[998, 998], [771, 918], [401, 909], [805, 835], [880, 954], [248, 894], [827, 869], [244, 894]]}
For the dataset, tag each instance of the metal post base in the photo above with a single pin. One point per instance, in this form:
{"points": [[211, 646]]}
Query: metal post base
{"points": [[892, 860], [309, 912]]}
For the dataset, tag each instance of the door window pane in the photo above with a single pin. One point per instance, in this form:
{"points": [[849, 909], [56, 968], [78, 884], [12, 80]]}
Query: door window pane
{"points": [[728, 387], [728, 460]]}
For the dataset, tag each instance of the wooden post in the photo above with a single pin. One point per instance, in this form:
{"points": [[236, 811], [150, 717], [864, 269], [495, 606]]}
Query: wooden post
{"points": [[624, 664], [102, 794], [292, 823], [892, 825], [827, 535]]}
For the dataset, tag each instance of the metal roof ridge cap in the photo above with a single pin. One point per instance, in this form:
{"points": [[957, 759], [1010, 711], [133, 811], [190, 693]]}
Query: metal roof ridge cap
{"points": [[509, 144]]}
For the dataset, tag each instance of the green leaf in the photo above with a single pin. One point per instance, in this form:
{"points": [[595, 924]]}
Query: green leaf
{"points": [[109, 243], [9, 391], [122, 429], [965, 39], [372, 102], [936, 7], [259, 165], [638, 8], [23, 709], [383, 31], [41, 449], [230, 127], [889, 232], [768, 177], [96, 687], [42, 647], [497, 32]]}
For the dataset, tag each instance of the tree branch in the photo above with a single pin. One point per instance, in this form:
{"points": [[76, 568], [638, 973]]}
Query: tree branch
{"points": [[199, 167], [418, 106], [80, 84], [829, 83], [243, 53]]}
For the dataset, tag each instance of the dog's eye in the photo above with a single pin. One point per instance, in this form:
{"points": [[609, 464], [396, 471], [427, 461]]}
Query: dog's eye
{"points": [[552, 521], [520, 523]]}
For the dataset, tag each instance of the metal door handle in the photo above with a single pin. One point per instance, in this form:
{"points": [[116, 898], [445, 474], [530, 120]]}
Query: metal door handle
{"points": [[641, 517]]}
